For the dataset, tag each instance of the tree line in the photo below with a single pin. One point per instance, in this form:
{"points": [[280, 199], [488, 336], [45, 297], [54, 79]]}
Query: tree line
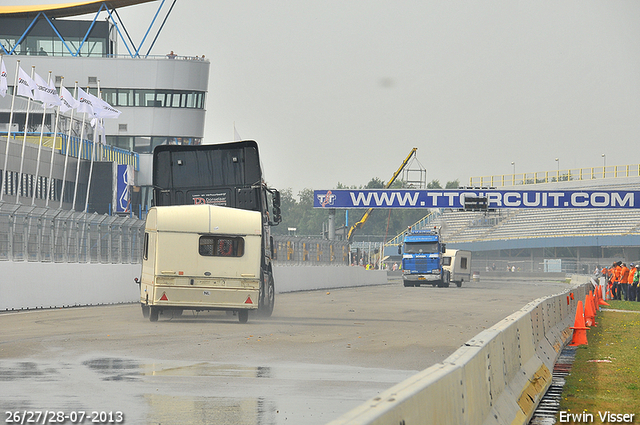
{"points": [[308, 221]]}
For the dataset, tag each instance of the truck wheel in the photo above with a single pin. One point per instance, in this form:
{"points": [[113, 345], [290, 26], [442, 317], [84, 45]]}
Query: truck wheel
{"points": [[145, 310], [243, 316], [265, 308], [153, 314], [446, 279], [407, 283], [459, 284]]}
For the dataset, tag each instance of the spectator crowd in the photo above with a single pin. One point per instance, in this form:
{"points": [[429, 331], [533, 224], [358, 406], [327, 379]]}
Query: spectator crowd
{"points": [[622, 280]]}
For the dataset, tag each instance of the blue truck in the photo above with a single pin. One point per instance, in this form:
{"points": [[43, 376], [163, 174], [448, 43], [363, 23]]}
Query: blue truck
{"points": [[423, 258]]}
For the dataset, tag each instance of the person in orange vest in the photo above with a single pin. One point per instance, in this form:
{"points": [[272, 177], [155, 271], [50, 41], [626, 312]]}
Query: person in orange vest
{"points": [[608, 275], [624, 277], [617, 269], [631, 290]]}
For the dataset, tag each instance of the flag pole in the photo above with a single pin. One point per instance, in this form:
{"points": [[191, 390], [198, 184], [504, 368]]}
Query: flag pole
{"points": [[5, 187], [53, 149], [44, 116], [75, 187], [66, 156], [24, 142], [93, 152]]}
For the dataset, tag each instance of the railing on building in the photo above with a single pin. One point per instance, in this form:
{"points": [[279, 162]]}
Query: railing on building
{"points": [[310, 251], [593, 173], [420, 224], [103, 152], [36, 234]]}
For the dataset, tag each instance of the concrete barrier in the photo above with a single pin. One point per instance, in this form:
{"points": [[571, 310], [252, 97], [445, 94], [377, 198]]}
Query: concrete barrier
{"points": [[27, 285], [305, 278], [31, 285], [496, 378]]}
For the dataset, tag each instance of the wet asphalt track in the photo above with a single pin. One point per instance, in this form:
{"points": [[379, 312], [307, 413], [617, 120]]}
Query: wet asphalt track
{"points": [[319, 355]]}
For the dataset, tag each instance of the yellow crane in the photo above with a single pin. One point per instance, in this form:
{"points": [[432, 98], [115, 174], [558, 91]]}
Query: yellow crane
{"points": [[366, 215]]}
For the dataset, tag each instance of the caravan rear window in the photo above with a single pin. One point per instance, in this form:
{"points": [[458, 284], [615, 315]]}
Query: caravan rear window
{"points": [[221, 246]]}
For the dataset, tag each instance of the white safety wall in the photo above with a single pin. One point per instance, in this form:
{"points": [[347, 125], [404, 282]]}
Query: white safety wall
{"points": [[498, 377], [31, 285]]}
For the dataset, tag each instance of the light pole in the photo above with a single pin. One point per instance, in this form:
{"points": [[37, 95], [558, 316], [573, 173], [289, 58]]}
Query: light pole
{"points": [[558, 161], [604, 165], [513, 179]]}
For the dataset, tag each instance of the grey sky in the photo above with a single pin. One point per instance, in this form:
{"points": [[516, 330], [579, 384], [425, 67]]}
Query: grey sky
{"points": [[340, 91]]}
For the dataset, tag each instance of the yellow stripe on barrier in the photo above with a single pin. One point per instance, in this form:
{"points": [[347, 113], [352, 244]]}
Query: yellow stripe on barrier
{"points": [[533, 392]]}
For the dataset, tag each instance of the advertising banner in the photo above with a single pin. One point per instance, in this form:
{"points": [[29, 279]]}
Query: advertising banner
{"points": [[450, 198], [124, 181]]}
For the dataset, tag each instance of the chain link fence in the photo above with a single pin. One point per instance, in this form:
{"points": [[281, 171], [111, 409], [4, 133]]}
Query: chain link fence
{"points": [[36, 234]]}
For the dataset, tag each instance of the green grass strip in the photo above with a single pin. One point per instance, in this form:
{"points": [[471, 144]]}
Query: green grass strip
{"points": [[605, 376]]}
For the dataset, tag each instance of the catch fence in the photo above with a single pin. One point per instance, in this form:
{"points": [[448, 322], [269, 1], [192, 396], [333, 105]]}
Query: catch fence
{"points": [[310, 251], [36, 234]]}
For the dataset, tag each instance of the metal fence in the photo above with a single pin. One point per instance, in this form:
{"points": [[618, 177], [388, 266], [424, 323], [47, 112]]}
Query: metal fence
{"points": [[310, 251], [37, 234], [592, 173], [29, 233]]}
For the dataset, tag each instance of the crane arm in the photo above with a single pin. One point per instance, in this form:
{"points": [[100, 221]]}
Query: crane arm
{"points": [[367, 214]]}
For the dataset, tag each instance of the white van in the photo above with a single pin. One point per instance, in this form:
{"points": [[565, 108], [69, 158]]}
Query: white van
{"points": [[201, 257], [458, 262]]}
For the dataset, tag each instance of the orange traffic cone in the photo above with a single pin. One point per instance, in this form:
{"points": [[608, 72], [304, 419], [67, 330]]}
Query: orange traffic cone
{"points": [[589, 311], [600, 300], [579, 328]]}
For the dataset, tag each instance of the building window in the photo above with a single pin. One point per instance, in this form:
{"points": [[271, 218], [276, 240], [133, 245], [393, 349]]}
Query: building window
{"points": [[154, 98]]}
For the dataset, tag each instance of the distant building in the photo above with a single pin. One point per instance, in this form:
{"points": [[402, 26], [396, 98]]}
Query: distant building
{"points": [[162, 100]]}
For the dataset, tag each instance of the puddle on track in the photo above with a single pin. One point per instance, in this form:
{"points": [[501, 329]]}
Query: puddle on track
{"points": [[173, 392]]}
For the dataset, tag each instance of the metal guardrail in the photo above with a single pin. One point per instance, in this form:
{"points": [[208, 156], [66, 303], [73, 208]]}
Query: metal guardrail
{"points": [[540, 177], [37, 234]]}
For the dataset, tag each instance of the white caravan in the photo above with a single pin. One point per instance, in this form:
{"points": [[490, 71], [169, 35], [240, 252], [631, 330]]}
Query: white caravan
{"points": [[201, 257], [458, 262]]}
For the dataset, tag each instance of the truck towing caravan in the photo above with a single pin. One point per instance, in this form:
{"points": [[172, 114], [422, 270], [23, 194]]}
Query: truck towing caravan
{"points": [[208, 243], [422, 258], [426, 259]]}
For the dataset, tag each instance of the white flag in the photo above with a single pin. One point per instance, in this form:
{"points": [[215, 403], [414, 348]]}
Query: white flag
{"points": [[106, 110], [25, 84], [3, 79], [84, 102], [96, 106], [45, 93], [102, 109], [68, 102]]}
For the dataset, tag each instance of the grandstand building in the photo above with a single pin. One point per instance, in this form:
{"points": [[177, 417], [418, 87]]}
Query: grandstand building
{"points": [[539, 240], [543, 240], [162, 100]]}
